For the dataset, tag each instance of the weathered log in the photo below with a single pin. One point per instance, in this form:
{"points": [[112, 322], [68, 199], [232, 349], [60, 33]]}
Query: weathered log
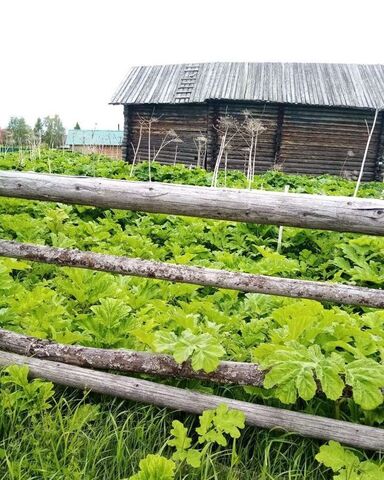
{"points": [[356, 435], [332, 292], [342, 214], [131, 361]]}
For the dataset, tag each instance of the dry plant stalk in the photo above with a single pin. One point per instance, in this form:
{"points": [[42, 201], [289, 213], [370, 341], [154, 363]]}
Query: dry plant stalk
{"points": [[146, 123], [170, 136], [136, 150], [281, 228], [366, 153], [252, 128], [177, 141], [227, 128], [201, 146], [226, 150]]}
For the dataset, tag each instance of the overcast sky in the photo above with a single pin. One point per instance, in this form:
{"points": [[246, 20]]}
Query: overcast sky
{"points": [[69, 56]]}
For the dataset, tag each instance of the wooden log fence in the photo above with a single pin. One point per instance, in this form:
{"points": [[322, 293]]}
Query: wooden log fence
{"points": [[321, 291], [138, 390], [128, 361], [297, 210], [342, 214], [133, 361]]}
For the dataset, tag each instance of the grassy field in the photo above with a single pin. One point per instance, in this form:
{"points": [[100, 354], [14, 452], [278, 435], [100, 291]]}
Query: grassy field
{"points": [[50, 433]]}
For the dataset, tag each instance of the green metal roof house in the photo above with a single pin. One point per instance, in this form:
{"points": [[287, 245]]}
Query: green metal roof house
{"points": [[106, 142]]}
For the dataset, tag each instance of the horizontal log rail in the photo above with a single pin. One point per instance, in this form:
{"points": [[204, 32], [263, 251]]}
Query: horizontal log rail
{"points": [[343, 214], [246, 282], [322, 291], [138, 390], [134, 361], [129, 361]]}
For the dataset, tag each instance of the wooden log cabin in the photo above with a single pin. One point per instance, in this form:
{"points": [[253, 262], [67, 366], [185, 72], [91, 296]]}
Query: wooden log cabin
{"points": [[314, 117]]}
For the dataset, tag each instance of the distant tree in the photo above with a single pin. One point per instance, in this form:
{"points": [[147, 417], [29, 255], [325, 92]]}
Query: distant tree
{"points": [[54, 131], [19, 130], [77, 126], [38, 130]]}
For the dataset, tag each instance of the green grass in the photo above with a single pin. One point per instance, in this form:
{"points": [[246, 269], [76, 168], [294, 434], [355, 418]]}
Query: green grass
{"points": [[99, 438]]}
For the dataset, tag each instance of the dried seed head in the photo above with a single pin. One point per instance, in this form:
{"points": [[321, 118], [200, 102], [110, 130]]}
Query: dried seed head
{"points": [[254, 125], [171, 133], [227, 122]]}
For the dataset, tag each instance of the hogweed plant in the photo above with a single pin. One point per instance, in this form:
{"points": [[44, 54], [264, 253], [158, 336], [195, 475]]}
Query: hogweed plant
{"points": [[252, 128], [146, 123], [169, 136], [201, 147], [137, 149], [227, 128], [177, 142]]}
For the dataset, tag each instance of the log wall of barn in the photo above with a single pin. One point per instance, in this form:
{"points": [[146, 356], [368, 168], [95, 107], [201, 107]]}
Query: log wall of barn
{"points": [[186, 121], [239, 142], [297, 139], [319, 140]]}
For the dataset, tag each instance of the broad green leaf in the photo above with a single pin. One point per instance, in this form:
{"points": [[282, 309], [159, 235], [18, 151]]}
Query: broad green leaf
{"points": [[286, 393], [366, 377], [207, 356], [203, 350], [155, 467], [214, 423], [182, 351], [282, 373], [292, 371], [347, 465], [193, 458], [180, 439], [336, 457], [305, 384], [328, 373], [165, 341], [229, 421]]}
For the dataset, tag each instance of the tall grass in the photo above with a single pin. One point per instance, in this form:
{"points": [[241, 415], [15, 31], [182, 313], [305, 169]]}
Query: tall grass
{"points": [[92, 437]]}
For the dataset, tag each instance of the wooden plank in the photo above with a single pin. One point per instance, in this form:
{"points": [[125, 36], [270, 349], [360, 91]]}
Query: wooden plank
{"points": [[343, 214], [246, 282], [138, 390]]}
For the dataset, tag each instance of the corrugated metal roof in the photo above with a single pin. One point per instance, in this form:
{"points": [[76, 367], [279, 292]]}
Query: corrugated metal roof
{"points": [[344, 85], [94, 137]]}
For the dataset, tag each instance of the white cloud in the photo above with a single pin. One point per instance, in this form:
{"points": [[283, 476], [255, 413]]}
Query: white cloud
{"points": [[68, 56]]}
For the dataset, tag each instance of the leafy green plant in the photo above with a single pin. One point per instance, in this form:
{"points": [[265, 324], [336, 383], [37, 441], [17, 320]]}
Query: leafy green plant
{"points": [[182, 444], [347, 465], [213, 425], [20, 394], [203, 349], [155, 467]]}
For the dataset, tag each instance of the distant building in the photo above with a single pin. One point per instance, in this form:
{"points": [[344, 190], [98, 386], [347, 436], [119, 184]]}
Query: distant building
{"points": [[106, 142], [314, 116], [3, 136]]}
